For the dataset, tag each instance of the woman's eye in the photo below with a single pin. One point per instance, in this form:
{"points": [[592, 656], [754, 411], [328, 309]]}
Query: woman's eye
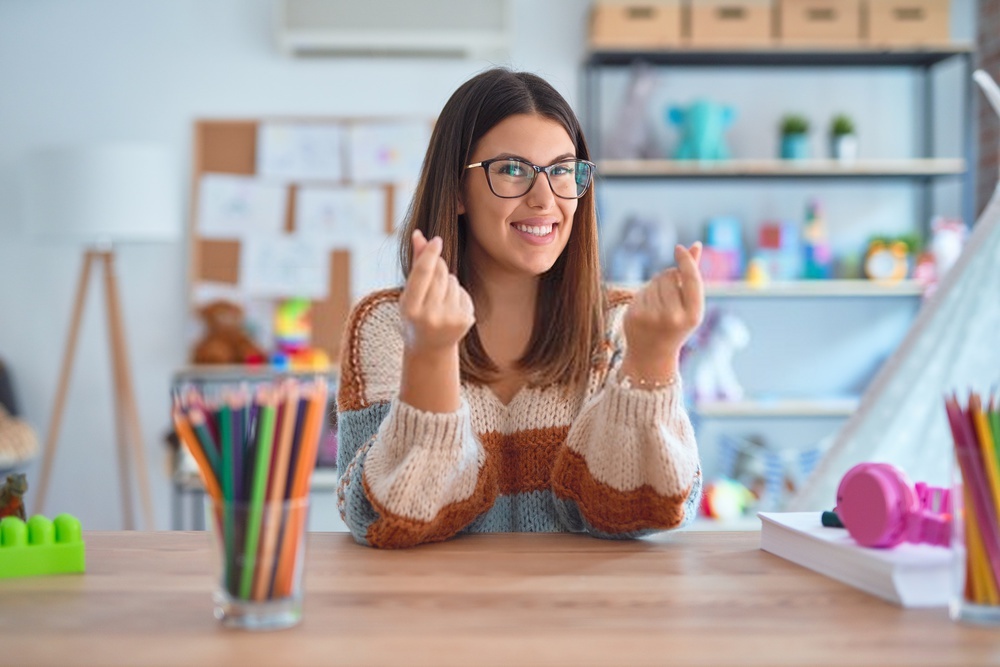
{"points": [[562, 170], [511, 169]]}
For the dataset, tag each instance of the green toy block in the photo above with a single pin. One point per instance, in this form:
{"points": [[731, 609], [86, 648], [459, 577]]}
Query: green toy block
{"points": [[41, 546]]}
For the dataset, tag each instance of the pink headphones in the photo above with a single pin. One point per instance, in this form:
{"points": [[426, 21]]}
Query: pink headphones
{"points": [[879, 508]]}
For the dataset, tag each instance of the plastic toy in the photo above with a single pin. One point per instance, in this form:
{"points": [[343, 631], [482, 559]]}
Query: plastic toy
{"points": [[779, 246], [757, 275], [292, 335], [726, 499], [12, 496], [41, 546], [702, 128], [722, 256], [817, 256], [879, 508]]}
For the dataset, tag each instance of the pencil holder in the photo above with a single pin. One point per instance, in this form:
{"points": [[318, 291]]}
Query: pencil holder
{"points": [[976, 547], [976, 508], [260, 549]]}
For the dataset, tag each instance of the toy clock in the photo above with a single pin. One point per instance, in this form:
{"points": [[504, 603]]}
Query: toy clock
{"points": [[886, 261]]}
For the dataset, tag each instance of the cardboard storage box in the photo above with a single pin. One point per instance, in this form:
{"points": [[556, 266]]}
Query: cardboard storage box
{"points": [[908, 22], [653, 24], [820, 22], [720, 23]]}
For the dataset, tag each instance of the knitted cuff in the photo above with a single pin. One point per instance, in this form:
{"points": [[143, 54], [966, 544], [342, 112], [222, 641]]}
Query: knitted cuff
{"points": [[407, 424], [638, 406]]}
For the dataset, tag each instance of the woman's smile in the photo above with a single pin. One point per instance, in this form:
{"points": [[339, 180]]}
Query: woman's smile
{"points": [[536, 231]]}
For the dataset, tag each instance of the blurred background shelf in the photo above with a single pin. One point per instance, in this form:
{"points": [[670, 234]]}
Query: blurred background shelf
{"points": [[916, 168], [785, 56], [784, 407], [808, 289]]}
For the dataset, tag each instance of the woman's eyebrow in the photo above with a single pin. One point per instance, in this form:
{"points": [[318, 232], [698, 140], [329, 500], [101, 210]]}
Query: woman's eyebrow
{"points": [[515, 156]]}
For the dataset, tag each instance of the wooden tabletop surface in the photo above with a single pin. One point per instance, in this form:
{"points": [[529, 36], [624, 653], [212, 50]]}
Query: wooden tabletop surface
{"points": [[518, 599]]}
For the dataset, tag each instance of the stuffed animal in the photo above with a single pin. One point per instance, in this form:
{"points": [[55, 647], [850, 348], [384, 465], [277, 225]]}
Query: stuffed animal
{"points": [[712, 365], [225, 340], [18, 442], [947, 240], [702, 127], [12, 496]]}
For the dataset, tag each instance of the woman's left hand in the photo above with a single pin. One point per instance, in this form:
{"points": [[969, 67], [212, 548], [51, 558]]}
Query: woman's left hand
{"points": [[665, 312]]}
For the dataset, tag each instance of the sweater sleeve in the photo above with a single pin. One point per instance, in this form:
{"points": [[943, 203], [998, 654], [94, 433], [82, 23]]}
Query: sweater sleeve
{"points": [[406, 476], [630, 465]]}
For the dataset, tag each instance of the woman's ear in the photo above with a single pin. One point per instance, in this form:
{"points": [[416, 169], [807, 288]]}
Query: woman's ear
{"points": [[461, 205]]}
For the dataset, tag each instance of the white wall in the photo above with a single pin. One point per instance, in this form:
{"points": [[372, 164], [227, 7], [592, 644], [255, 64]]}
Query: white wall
{"points": [[104, 70], [77, 71]]}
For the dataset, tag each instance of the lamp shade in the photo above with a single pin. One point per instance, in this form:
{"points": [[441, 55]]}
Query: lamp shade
{"points": [[102, 194]]}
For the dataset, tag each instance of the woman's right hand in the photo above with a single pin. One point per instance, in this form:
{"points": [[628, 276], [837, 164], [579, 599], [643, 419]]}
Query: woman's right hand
{"points": [[437, 312]]}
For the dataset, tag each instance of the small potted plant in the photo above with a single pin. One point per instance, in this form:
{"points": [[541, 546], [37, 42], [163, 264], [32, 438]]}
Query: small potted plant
{"points": [[843, 140], [794, 137]]}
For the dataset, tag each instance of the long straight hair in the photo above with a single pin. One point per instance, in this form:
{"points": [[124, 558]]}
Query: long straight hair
{"points": [[569, 316]]}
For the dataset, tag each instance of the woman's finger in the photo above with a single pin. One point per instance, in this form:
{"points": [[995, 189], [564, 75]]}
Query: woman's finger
{"points": [[422, 273], [419, 242], [689, 280], [696, 251], [438, 287]]}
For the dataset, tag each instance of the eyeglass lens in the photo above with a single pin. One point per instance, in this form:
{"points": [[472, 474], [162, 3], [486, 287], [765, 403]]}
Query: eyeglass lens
{"points": [[513, 178]]}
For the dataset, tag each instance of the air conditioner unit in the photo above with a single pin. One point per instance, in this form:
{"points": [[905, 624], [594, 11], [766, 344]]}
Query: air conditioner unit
{"points": [[440, 28]]}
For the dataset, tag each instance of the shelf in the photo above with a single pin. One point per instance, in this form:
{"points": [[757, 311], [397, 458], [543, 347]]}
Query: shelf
{"points": [[187, 478], [766, 168], [787, 407], [806, 289], [786, 57], [816, 288]]}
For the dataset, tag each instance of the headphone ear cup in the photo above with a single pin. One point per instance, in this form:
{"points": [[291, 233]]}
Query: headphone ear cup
{"points": [[873, 502]]}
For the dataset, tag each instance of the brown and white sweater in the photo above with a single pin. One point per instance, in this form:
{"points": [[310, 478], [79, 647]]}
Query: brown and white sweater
{"points": [[614, 462]]}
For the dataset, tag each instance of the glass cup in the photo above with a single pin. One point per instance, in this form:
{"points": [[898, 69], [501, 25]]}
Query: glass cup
{"points": [[975, 597], [260, 553]]}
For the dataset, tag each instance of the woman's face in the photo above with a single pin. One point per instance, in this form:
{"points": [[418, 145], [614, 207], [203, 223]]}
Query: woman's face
{"points": [[525, 235]]}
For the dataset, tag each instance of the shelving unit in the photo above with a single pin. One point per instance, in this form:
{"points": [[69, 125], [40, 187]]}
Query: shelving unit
{"points": [[917, 168], [809, 289], [922, 172], [925, 169], [785, 407]]}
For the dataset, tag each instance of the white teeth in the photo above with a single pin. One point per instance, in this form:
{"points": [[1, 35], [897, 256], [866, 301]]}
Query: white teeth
{"points": [[535, 230]]}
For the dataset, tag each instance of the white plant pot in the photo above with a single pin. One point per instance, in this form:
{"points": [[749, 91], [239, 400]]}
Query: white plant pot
{"points": [[844, 147]]}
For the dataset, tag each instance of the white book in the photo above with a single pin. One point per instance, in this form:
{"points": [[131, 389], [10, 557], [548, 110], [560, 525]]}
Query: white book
{"points": [[910, 575]]}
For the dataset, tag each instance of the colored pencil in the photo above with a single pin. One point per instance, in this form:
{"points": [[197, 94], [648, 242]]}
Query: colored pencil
{"points": [[305, 464], [276, 492], [187, 436], [262, 458]]}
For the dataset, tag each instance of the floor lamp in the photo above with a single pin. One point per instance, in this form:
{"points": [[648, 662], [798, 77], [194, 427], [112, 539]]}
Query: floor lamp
{"points": [[99, 198]]}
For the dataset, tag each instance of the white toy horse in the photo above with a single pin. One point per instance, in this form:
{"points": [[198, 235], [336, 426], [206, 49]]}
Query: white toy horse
{"points": [[712, 365]]}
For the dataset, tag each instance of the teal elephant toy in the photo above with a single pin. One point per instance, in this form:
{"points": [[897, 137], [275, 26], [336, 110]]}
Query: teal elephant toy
{"points": [[702, 130]]}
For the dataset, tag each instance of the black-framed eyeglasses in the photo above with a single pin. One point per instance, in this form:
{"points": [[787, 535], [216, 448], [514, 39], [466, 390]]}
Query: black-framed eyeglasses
{"points": [[511, 178]]}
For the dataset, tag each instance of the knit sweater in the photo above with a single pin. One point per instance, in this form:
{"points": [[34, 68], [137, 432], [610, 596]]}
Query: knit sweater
{"points": [[611, 460]]}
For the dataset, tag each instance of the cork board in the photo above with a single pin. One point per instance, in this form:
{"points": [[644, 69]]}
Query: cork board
{"points": [[230, 147]]}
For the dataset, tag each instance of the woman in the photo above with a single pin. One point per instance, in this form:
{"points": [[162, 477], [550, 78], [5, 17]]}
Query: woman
{"points": [[503, 389]]}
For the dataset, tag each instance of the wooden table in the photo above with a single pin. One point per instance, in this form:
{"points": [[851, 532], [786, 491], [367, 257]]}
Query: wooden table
{"points": [[688, 598]]}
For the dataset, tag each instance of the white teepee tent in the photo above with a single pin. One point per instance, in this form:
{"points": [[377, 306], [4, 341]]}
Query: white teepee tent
{"points": [[953, 345]]}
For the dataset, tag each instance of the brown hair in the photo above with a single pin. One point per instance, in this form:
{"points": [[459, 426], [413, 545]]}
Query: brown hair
{"points": [[570, 299]]}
